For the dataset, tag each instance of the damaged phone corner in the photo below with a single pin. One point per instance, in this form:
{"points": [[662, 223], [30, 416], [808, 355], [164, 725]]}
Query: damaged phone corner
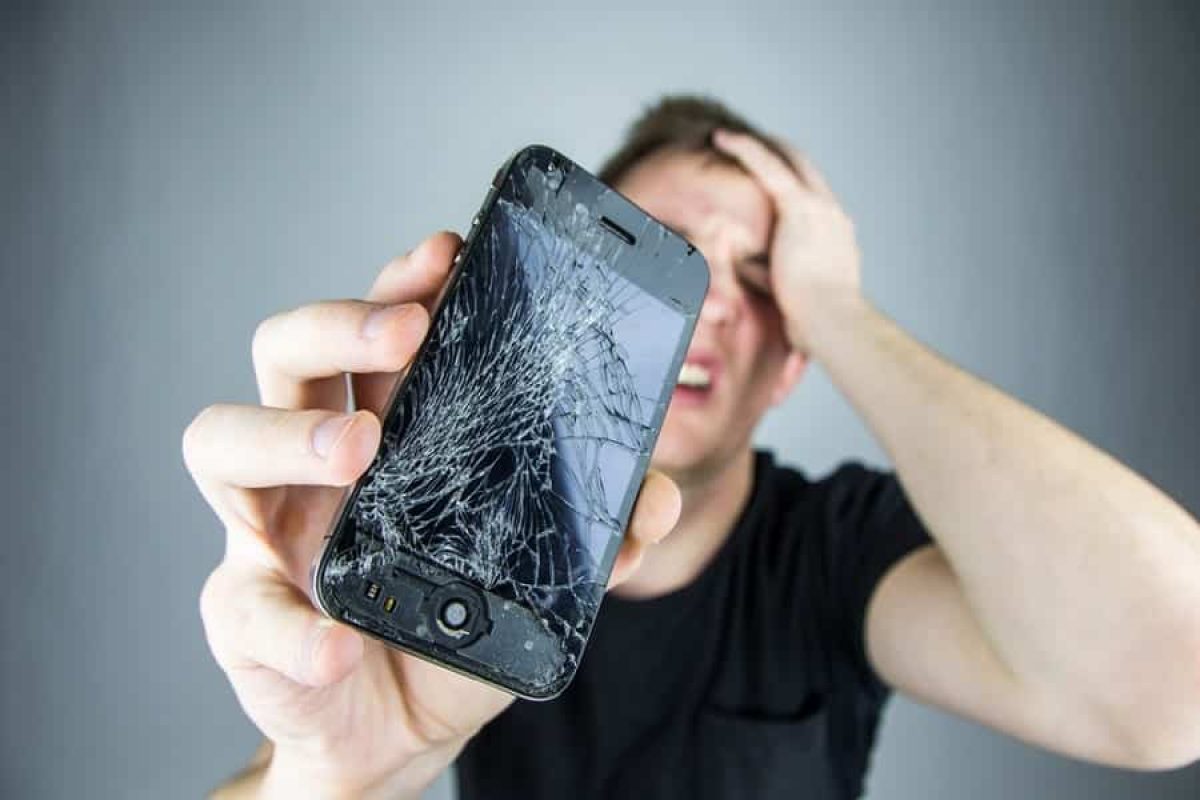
{"points": [[482, 535]]}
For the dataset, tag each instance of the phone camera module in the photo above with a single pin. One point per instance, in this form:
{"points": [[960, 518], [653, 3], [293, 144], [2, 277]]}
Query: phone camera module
{"points": [[459, 614]]}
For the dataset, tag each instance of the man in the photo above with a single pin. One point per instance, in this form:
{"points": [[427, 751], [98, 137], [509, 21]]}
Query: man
{"points": [[1020, 578]]}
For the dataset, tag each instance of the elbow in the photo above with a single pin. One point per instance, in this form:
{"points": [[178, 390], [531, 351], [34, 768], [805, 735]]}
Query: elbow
{"points": [[1161, 706], [1160, 751], [1163, 731]]}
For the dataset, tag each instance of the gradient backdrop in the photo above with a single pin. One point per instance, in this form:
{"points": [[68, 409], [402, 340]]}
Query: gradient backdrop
{"points": [[1025, 177]]}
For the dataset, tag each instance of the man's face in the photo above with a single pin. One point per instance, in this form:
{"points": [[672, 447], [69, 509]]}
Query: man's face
{"points": [[739, 363]]}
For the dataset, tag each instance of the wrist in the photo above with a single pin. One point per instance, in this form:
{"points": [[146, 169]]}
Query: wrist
{"points": [[828, 314], [290, 775]]}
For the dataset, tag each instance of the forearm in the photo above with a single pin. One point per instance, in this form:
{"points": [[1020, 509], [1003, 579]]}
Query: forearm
{"points": [[268, 776], [1083, 576]]}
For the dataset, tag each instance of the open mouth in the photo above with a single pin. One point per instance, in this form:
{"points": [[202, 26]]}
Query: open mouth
{"points": [[694, 376]]}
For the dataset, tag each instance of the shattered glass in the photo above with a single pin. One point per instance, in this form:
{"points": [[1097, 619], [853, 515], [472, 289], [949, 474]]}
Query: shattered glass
{"points": [[509, 459]]}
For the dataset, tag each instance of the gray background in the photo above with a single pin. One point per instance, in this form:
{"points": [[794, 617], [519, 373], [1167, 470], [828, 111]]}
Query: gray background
{"points": [[1025, 178]]}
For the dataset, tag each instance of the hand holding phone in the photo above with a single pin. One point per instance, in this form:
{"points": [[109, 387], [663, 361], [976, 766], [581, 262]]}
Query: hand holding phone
{"points": [[344, 713], [483, 535]]}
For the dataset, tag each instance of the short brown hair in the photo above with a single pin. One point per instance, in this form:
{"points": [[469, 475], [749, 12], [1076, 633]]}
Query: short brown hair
{"points": [[684, 123]]}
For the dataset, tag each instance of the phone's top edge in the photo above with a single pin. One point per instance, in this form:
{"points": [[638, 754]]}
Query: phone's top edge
{"points": [[534, 147]]}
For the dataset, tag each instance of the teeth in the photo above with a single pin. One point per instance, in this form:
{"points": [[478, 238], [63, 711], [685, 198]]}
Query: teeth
{"points": [[694, 376]]}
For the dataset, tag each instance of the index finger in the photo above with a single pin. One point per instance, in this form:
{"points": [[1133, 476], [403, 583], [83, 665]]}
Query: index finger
{"points": [[419, 277], [781, 180], [778, 176]]}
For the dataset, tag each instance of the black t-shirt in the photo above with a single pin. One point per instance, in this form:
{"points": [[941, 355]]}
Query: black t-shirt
{"points": [[750, 682]]}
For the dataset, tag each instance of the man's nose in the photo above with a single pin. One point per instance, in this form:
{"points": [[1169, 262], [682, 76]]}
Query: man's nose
{"points": [[723, 303], [719, 308]]}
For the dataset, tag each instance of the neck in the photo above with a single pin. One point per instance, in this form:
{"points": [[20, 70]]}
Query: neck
{"points": [[711, 506]]}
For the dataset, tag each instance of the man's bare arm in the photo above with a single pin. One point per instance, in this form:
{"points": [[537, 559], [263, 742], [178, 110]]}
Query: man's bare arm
{"points": [[1062, 603]]}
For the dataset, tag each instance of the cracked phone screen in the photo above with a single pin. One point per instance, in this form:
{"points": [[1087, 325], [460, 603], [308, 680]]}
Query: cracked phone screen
{"points": [[509, 457]]}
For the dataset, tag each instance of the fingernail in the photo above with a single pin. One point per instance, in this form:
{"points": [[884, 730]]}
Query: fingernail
{"points": [[378, 319], [326, 435]]}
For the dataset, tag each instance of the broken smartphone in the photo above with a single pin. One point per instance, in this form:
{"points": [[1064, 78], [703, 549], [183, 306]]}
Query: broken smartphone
{"points": [[483, 534]]}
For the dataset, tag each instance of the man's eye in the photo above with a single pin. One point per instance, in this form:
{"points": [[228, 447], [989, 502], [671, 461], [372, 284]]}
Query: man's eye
{"points": [[755, 278], [758, 291]]}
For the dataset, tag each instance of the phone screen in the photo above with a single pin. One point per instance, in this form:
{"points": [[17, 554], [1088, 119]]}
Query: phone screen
{"points": [[515, 447]]}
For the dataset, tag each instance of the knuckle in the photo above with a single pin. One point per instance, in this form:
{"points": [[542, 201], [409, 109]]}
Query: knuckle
{"points": [[275, 332], [278, 336], [214, 614], [290, 434], [264, 335], [211, 597], [282, 424], [194, 435]]}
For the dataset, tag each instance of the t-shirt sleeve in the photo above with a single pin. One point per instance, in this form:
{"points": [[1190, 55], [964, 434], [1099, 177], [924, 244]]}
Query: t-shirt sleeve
{"points": [[871, 527]]}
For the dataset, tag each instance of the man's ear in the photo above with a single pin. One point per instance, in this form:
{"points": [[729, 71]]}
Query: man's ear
{"points": [[792, 370]]}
